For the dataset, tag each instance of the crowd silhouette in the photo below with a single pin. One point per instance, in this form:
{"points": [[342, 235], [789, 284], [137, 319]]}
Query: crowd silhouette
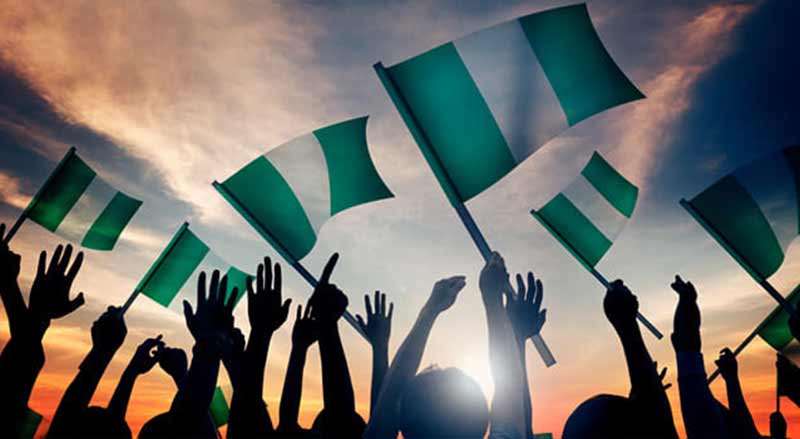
{"points": [[404, 399]]}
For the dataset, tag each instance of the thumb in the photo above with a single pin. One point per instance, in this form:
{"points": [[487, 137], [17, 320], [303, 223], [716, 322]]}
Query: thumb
{"points": [[75, 303]]}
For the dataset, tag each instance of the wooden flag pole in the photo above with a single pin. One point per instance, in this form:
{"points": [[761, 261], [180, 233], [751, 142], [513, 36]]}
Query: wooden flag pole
{"points": [[283, 251], [24, 215], [739, 258], [448, 186], [597, 275]]}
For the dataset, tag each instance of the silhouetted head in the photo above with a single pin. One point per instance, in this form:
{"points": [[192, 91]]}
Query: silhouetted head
{"points": [[604, 416], [352, 427], [443, 403], [100, 423], [166, 426]]}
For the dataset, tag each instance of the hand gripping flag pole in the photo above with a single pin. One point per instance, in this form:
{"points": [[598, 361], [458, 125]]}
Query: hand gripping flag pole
{"points": [[276, 244], [448, 187]]}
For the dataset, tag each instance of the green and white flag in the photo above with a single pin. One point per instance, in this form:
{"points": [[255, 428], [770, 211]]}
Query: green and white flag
{"points": [[288, 193], [174, 275], [591, 212], [79, 206], [753, 212], [775, 329], [219, 410], [480, 105]]}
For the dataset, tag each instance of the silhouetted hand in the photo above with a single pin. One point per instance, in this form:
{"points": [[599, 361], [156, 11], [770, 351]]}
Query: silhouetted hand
{"points": [[214, 317], [620, 306], [494, 280], [328, 302], [524, 307], [662, 376], [174, 362], [9, 262], [265, 307], [234, 348], [305, 331], [777, 426], [50, 290], [378, 326], [686, 335], [444, 294], [109, 331], [794, 325], [727, 364], [146, 355]]}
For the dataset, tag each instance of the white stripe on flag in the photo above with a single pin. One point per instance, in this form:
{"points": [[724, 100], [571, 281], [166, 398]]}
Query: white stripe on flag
{"points": [[596, 208], [771, 183], [513, 84], [302, 164], [86, 210]]}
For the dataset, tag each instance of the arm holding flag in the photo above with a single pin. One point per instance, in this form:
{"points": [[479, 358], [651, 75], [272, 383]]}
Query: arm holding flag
{"points": [[739, 413]]}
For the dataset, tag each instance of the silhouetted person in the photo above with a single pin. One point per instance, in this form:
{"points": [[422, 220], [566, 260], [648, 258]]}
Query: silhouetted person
{"points": [[646, 412], [143, 360], [527, 318], [702, 415], [426, 405], [74, 417], [304, 334], [339, 418], [267, 311], [23, 355], [377, 328], [739, 421]]}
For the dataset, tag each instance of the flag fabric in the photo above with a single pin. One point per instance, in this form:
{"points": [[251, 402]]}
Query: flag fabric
{"points": [[175, 273], [753, 212], [81, 207], [485, 102], [774, 330], [591, 212], [30, 424], [219, 408], [288, 193]]}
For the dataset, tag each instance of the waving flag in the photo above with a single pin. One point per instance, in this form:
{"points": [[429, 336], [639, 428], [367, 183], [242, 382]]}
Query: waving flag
{"points": [[219, 410], [480, 105], [288, 193], [591, 212], [753, 212], [175, 273], [79, 206], [774, 330]]}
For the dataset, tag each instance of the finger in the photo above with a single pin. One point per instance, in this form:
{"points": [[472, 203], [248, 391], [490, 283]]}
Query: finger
{"points": [[391, 311], [40, 267], [361, 323], [231, 300], [250, 292], [328, 270], [367, 305], [267, 274], [188, 313], [222, 291], [533, 288], [520, 287], [278, 278], [543, 316], [62, 264], [307, 314], [201, 289], [377, 299], [2, 232], [75, 303], [285, 310], [56, 257], [299, 313], [260, 277], [537, 301], [667, 386], [213, 288], [383, 303], [663, 373], [76, 266]]}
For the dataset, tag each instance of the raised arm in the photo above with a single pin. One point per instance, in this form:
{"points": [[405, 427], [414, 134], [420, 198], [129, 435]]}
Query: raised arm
{"points": [[143, 360], [383, 422], [304, 334], [378, 328], [173, 361], [267, 311], [527, 318], [701, 414], [737, 406]]}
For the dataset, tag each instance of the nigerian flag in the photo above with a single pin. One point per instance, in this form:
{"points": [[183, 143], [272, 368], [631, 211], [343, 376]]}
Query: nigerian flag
{"points": [[176, 271], [79, 206], [753, 212], [480, 105], [219, 408], [591, 212], [775, 328], [288, 193]]}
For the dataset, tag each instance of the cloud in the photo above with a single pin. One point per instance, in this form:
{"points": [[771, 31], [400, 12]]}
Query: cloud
{"points": [[10, 192]]}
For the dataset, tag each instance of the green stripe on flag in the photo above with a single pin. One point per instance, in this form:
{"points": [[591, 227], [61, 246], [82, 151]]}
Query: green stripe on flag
{"points": [[792, 155], [109, 225], [583, 75], [267, 198], [775, 328], [236, 279], [574, 230], [455, 119], [175, 268], [62, 192], [219, 408], [611, 184], [352, 175], [30, 424], [736, 217]]}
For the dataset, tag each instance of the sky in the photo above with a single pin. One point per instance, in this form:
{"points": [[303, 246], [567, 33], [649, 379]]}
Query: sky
{"points": [[162, 98]]}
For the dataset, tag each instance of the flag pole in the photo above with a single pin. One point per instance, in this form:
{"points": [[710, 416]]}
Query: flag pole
{"points": [[739, 258], [597, 275], [164, 254], [283, 251], [447, 185], [24, 215]]}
